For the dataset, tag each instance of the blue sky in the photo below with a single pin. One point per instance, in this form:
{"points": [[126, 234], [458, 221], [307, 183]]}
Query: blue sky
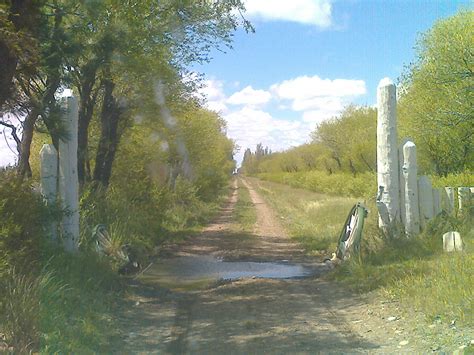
{"points": [[310, 58], [306, 61]]}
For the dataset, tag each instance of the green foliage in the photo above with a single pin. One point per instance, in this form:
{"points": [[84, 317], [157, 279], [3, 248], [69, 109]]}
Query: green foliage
{"points": [[210, 151], [49, 300], [342, 184], [24, 219], [350, 138], [344, 144], [437, 102], [454, 180]]}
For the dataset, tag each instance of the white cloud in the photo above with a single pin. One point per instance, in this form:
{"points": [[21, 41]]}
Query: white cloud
{"points": [[312, 98], [249, 96], [213, 91], [310, 12], [314, 93], [249, 126]]}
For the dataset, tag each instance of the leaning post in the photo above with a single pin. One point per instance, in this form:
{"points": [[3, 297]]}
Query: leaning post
{"points": [[387, 154], [412, 212], [68, 179]]}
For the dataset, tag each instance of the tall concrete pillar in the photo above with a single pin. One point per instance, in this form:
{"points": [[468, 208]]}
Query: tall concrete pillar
{"points": [[387, 152], [49, 179], [412, 213], [68, 179]]}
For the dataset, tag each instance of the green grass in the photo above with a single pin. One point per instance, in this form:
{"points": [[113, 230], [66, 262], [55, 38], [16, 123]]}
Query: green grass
{"points": [[245, 214], [415, 271], [65, 307]]}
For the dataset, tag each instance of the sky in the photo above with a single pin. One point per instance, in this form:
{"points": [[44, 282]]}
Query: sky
{"points": [[306, 61]]}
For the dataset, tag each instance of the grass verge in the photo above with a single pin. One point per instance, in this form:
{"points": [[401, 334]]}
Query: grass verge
{"points": [[415, 272]]}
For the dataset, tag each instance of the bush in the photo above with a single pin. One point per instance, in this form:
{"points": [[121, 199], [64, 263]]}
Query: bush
{"points": [[23, 223]]}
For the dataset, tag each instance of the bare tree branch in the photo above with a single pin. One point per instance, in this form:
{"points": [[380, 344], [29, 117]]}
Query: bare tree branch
{"points": [[14, 135]]}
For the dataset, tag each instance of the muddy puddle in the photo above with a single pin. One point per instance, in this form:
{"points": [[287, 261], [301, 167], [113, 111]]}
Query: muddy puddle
{"points": [[199, 271]]}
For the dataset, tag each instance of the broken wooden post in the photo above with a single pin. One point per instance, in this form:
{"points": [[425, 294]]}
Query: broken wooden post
{"points": [[412, 214], [425, 198], [68, 179], [452, 242], [387, 153], [49, 179]]}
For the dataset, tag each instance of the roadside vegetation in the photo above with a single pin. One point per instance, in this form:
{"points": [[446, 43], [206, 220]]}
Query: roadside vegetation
{"points": [[414, 272], [153, 163], [436, 110]]}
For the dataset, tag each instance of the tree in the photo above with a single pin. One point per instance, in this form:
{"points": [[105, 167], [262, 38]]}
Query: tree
{"points": [[437, 107]]}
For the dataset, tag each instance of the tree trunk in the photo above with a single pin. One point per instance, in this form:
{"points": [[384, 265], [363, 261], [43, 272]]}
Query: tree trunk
{"points": [[338, 161], [86, 110], [8, 64], [366, 162], [109, 136], [352, 167], [24, 169]]}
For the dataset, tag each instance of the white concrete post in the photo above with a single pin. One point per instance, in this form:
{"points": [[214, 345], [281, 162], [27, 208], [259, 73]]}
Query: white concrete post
{"points": [[387, 151], [464, 197], [449, 199], [68, 179], [49, 179], [452, 241], [402, 180], [425, 198], [412, 213], [436, 202]]}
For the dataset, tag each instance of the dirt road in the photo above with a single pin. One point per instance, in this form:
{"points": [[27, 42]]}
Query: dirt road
{"points": [[252, 315]]}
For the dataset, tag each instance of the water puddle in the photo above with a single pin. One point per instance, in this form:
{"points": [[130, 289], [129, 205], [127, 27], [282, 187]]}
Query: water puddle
{"points": [[198, 271]]}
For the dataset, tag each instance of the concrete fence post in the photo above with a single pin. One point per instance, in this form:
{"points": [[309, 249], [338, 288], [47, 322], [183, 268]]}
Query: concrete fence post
{"points": [[68, 179], [425, 197], [412, 213], [401, 159], [449, 202], [49, 179], [436, 202], [387, 153], [464, 197]]}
